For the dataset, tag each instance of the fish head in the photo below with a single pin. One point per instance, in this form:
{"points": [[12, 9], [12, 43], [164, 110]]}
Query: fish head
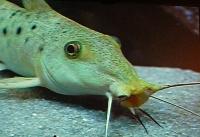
{"points": [[83, 61]]}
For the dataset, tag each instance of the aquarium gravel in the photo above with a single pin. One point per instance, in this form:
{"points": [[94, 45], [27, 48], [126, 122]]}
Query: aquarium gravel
{"points": [[38, 112]]}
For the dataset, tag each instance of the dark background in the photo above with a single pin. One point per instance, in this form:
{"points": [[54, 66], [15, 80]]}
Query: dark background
{"points": [[151, 34]]}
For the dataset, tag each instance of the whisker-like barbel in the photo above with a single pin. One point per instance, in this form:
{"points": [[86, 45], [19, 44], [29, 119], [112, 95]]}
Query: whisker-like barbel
{"points": [[49, 50], [147, 114], [179, 85], [178, 106], [137, 118]]}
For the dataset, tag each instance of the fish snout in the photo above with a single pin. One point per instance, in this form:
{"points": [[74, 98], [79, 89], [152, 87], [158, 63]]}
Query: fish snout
{"points": [[135, 94], [134, 100]]}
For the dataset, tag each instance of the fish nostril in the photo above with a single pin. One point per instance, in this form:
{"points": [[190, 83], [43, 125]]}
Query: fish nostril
{"points": [[122, 97]]}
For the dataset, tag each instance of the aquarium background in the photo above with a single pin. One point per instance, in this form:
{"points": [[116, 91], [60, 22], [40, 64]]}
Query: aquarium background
{"points": [[151, 34]]}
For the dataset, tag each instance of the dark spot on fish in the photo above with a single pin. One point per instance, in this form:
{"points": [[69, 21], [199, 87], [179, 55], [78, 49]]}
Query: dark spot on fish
{"points": [[41, 48], [26, 40], [19, 30], [33, 27], [4, 31], [13, 14]]}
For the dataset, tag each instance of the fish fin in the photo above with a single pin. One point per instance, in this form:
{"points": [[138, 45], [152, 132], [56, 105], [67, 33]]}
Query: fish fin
{"points": [[36, 5], [109, 96], [19, 82], [2, 66]]}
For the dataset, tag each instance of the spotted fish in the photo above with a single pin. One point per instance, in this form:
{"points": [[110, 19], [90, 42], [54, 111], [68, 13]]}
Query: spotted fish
{"points": [[49, 50]]}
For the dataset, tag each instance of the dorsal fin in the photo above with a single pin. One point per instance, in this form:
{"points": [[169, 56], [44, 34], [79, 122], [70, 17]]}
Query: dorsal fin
{"points": [[36, 5]]}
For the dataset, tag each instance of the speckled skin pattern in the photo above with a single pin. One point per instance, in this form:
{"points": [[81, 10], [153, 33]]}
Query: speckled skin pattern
{"points": [[32, 45]]}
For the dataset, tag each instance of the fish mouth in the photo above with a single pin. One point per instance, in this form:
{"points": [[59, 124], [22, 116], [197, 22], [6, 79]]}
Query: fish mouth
{"points": [[135, 101], [52, 79]]}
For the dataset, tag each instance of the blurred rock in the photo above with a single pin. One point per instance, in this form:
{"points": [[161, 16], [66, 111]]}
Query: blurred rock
{"points": [[189, 16], [38, 112]]}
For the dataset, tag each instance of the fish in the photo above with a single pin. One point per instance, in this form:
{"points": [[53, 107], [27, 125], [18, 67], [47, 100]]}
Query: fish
{"points": [[49, 50]]}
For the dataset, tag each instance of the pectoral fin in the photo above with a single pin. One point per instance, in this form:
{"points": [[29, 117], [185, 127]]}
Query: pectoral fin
{"points": [[36, 5], [2, 67], [19, 82]]}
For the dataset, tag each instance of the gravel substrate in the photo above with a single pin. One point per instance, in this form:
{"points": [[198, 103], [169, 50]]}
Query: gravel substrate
{"points": [[38, 112]]}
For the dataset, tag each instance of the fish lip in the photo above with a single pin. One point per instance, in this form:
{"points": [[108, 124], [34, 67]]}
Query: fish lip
{"points": [[51, 78]]}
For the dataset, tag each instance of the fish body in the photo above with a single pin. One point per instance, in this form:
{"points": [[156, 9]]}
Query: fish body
{"points": [[29, 34], [32, 43], [53, 51]]}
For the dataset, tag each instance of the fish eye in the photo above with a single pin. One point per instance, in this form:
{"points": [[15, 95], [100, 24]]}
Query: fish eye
{"points": [[72, 49]]}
